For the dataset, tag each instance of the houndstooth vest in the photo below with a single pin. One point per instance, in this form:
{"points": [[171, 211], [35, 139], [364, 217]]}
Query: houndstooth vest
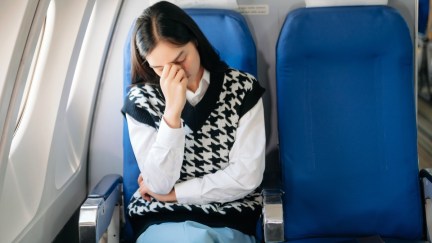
{"points": [[213, 123]]}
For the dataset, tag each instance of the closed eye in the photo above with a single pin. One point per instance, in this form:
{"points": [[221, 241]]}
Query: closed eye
{"points": [[180, 60]]}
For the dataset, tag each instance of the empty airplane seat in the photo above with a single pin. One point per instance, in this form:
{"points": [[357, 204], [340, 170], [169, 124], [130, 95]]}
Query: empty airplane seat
{"points": [[235, 46], [347, 125]]}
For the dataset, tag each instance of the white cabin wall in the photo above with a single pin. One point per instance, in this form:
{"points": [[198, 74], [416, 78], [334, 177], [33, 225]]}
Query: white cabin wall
{"points": [[106, 148], [44, 149], [105, 154]]}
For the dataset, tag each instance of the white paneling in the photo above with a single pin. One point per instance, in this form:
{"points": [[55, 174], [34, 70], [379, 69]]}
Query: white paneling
{"points": [[106, 152], [45, 175]]}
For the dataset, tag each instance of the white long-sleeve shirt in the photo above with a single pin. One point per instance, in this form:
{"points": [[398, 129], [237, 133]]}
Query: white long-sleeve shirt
{"points": [[159, 154]]}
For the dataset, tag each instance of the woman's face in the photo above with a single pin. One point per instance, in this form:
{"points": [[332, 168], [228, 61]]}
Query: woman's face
{"points": [[186, 56]]}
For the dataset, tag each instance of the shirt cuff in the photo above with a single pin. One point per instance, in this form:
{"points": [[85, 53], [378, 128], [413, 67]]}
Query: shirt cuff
{"points": [[189, 192], [170, 137]]}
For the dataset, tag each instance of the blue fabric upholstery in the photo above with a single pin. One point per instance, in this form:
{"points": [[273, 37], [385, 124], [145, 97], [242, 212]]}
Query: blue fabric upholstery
{"points": [[236, 46], [130, 167], [347, 128], [423, 16]]}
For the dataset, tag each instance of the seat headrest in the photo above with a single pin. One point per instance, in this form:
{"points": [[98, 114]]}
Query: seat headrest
{"points": [[331, 3], [222, 4]]}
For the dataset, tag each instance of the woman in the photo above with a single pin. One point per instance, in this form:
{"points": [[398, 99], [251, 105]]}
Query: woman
{"points": [[197, 131]]}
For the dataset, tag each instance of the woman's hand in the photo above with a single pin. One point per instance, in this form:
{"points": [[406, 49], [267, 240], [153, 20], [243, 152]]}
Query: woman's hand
{"points": [[143, 189], [146, 194], [173, 82]]}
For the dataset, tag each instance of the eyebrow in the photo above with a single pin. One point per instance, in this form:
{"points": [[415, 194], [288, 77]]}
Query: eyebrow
{"points": [[175, 60]]}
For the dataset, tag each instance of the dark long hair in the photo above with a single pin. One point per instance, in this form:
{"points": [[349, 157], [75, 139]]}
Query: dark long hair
{"points": [[165, 21]]}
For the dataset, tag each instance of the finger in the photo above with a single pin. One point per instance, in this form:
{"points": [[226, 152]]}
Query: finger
{"points": [[165, 71], [140, 179], [184, 81], [180, 75], [174, 69], [145, 196]]}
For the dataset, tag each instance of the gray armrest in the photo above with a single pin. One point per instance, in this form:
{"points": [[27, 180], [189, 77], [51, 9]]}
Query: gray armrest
{"points": [[426, 179], [273, 216], [97, 211]]}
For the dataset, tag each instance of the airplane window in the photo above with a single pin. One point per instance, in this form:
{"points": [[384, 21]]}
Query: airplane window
{"points": [[50, 137]]}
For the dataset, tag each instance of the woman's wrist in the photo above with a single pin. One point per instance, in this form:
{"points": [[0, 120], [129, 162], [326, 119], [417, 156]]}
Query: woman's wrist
{"points": [[172, 119], [170, 197]]}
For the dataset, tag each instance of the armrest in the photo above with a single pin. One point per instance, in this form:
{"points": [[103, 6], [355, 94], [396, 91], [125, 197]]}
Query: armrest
{"points": [[273, 215], [97, 211], [426, 180]]}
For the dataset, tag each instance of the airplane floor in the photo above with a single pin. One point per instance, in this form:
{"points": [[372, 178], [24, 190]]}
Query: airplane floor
{"points": [[425, 133]]}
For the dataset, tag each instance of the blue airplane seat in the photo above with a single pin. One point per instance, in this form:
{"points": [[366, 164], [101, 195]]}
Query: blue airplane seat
{"points": [[423, 16], [130, 167], [235, 45], [347, 125]]}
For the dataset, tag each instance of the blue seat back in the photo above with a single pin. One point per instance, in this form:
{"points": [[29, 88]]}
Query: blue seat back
{"points": [[229, 34], [235, 46], [423, 16], [347, 126]]}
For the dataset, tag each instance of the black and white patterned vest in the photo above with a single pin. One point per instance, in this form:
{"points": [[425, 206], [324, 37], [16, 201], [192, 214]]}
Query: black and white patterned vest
{"points": [[213, 123]]}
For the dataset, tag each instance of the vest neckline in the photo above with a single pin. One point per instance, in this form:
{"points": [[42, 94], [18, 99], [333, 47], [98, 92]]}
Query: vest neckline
{"points": [[196, 116]]}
